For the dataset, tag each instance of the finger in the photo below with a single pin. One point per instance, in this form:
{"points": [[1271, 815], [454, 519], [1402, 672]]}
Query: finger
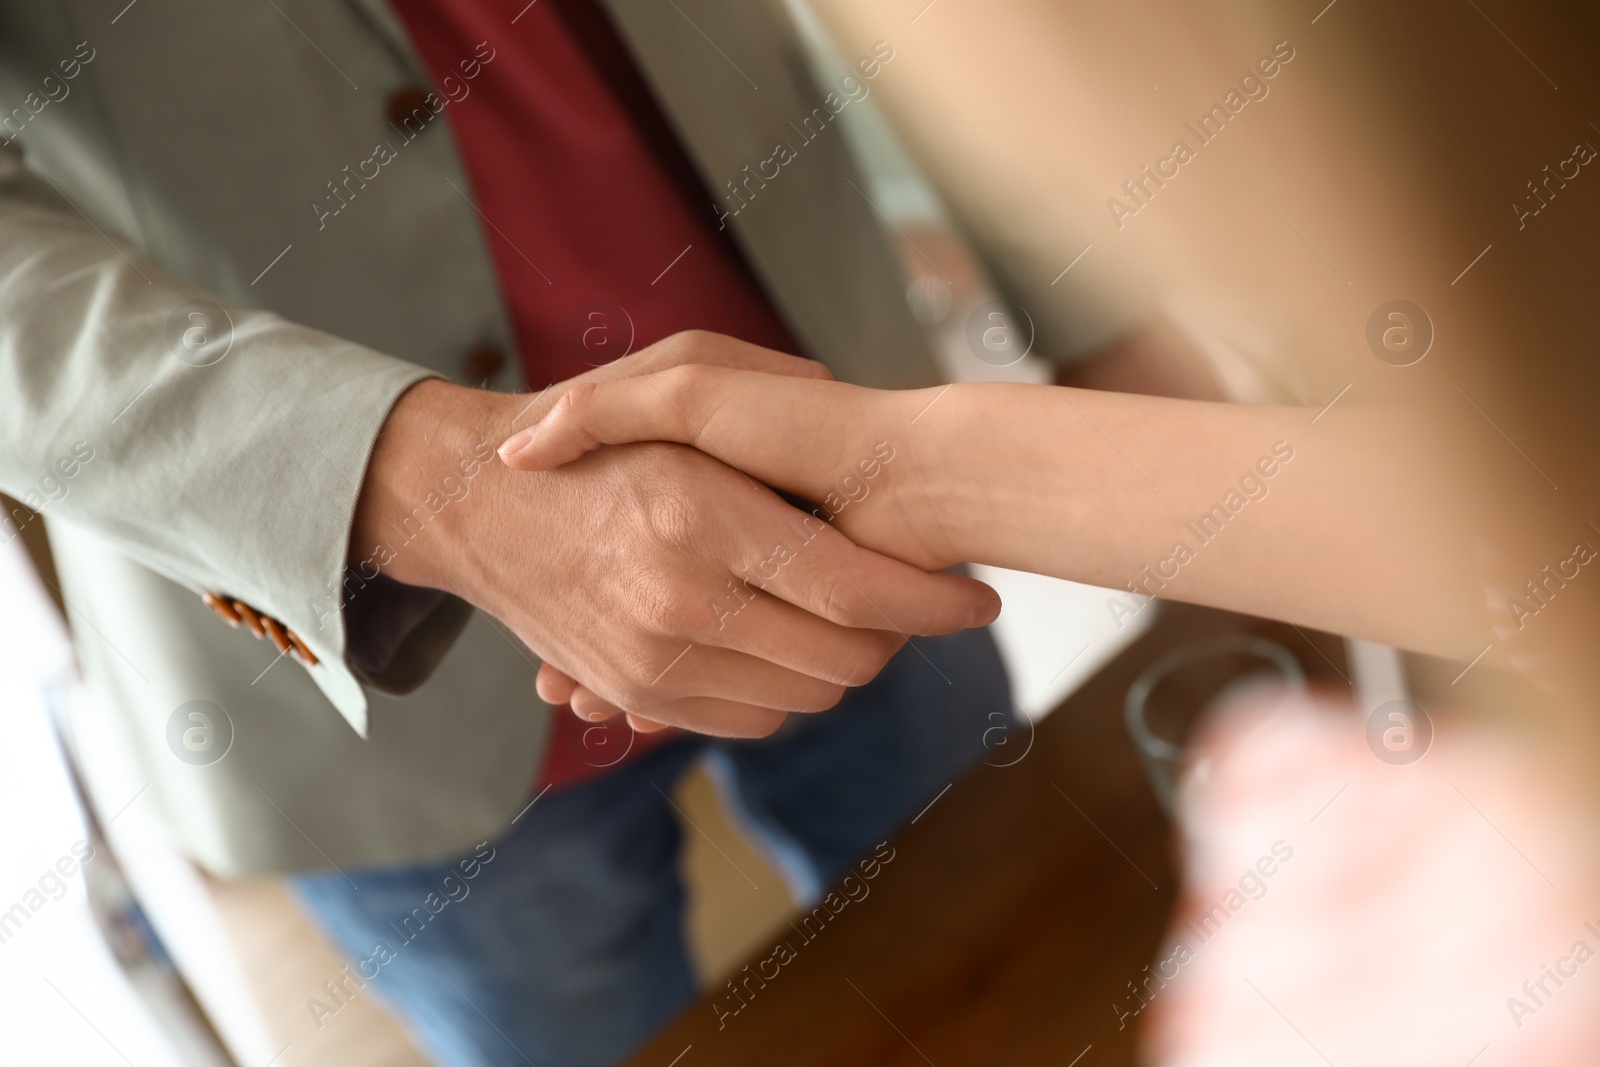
{"points": [[590, 707], [761, 625], [691, 347], [553, 686], [583, 698], [753, 421], [832, 577], [723, 674], [719, 718], [748, 420], [591, 414], [642, 725]]}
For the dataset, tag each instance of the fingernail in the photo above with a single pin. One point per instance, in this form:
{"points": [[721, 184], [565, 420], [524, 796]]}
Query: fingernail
{"points": [[517, 442], [984, 614]]}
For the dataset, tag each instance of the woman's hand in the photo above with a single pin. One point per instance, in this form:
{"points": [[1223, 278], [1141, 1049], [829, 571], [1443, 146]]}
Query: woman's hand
{"points": [[846, 449]]}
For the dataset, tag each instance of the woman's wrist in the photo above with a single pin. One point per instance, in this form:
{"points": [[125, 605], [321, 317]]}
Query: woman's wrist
{"points": [[939, 488], [990, 469]]}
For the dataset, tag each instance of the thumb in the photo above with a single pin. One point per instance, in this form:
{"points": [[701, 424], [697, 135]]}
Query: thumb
{"points": [[592, 414]]}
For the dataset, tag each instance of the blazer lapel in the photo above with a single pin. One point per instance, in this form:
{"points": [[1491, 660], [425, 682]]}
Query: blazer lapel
{"points": [[731, 76], [386, 26]]}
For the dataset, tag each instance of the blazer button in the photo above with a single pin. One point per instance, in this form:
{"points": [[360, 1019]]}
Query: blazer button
{"points": [[483, 363], [408, 102]]}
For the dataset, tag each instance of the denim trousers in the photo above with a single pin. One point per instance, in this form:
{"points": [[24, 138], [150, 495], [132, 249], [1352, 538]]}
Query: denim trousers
{"points": [[563, 943]]}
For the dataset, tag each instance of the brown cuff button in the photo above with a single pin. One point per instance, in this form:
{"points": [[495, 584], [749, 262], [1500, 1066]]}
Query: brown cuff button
{"points": [[300, 650], [234, 612], [223, 609], [275, 631], [251, 620]]}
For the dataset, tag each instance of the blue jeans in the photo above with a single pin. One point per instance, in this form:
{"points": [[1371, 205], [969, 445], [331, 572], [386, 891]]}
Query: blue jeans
{"points": [[565, 946]]}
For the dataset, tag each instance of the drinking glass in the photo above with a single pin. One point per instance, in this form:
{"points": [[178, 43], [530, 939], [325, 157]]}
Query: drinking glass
{"points": [[1173, 695]]}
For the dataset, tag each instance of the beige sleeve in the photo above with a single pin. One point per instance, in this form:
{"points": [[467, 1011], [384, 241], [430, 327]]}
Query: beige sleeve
{"points": [[224, 451]]}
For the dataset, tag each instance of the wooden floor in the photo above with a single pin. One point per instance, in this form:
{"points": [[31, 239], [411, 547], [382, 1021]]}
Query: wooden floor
{"points": [[1009, 923]]}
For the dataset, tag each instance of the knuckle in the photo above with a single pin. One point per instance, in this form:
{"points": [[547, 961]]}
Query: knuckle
{"points": [[699, 338], [834, 598], [629, 671], [648, 703], [821, 698], [577, 397], [869, 659], [861, 671], [680, 382], [636, 691], [671, 521], [685, 346], [763, 723], [690, 388], [657, 607]]}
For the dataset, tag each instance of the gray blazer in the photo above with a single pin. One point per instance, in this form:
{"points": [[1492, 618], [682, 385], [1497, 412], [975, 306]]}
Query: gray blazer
{"points": [[166, 152]]}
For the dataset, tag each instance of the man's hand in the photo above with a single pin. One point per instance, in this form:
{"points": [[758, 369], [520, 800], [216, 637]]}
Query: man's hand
{"points": [[671, 585]]}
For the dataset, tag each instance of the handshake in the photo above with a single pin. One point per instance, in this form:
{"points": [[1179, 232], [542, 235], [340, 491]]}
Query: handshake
{"points": [[673, 584]]}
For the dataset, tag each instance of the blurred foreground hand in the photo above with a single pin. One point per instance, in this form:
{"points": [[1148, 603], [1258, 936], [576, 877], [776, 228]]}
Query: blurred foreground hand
{"points": [[1338, 909]]}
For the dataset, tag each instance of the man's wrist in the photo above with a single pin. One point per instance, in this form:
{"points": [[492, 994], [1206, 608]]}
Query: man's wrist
{"points": [[431, 456]]}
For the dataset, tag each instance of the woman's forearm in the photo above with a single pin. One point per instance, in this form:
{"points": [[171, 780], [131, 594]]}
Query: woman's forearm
{"points": [[1335, 524], [1336, 520]]}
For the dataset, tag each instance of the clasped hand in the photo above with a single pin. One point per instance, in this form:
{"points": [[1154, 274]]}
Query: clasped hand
{"points": [[657, 580], [774, 426]]}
